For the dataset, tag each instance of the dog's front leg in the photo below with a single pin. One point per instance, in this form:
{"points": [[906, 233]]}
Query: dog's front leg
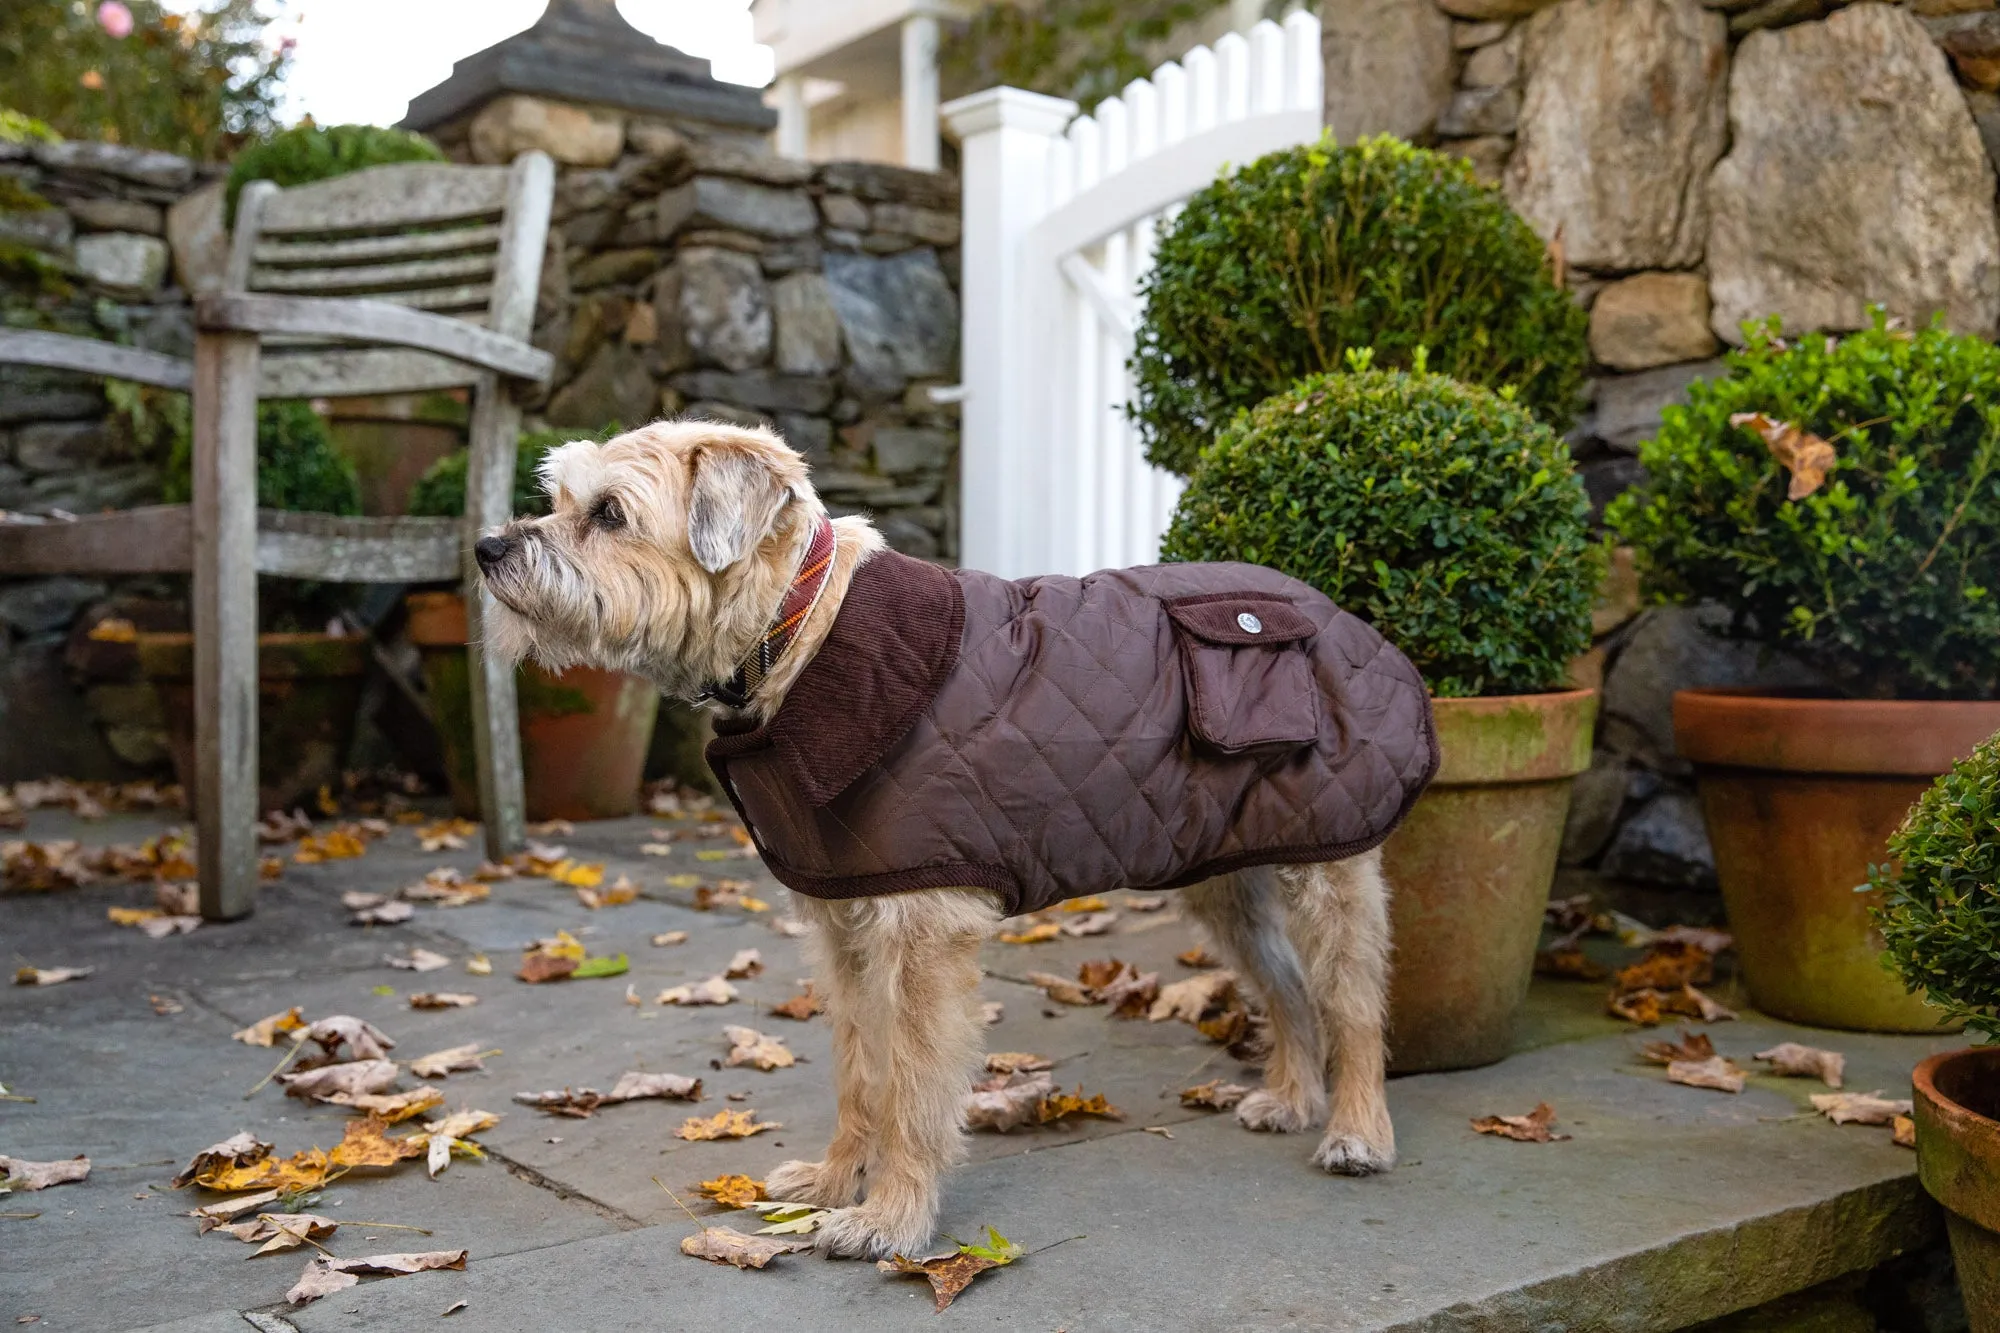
{"points": [[919, 974], [838, 966]]}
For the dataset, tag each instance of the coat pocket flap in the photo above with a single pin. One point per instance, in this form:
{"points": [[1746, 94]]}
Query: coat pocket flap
{"points": [[1241, 620]]}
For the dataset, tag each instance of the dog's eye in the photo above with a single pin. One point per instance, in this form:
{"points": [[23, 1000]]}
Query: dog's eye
{"points": [[607, 515]]}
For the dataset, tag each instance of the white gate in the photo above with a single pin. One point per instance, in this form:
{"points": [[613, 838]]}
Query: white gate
{"points": [[1060, 214]]}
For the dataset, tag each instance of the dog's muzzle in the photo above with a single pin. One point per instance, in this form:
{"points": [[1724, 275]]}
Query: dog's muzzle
{"points": [[490, 551]]}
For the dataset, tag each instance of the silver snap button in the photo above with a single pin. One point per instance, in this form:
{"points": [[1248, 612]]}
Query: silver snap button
{"points": [[1248, 623]]}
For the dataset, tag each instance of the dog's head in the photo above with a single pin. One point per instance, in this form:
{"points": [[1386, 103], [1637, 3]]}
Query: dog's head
{"points": [[665, 552]]}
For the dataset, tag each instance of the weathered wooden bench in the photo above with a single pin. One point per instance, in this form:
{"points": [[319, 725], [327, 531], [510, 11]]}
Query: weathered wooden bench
{"points": [[406, 278]]}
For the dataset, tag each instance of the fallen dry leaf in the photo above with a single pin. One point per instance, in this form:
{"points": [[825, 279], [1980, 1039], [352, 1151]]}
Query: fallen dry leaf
{"points": [[1214, 1095], [1791, 1060], [1668, 965], [16, 1174], [213, 1215], [633, 1085], [391, 913], [714, 990], [669, 937], [725, 1125], [178, 899], [789, 926], [165, 1005], [552, 959], [949, 1274], [443, 1137], [451, 1060], [1805, 455], [801, 1006], [1572, 963], [1062, 1105], [282, 1231], [1691, 1046], [1090, 923], [326, 1274], [1008, 1062], [1199, 956], [1905, 1132], [1145, 902], [1714, 1072], [723, 894], [753, 1048], [356, 1076], [50, 976], [239, 1149], [723, 1245], [1859, 1108], [442, 999], [340, 843], [746, 963], [1537, 1126], [418, 960], [991, 1012], [732, 1191], [617, 894], [1131, 993], [1036, 934], [363, 1039], [392, 1108], [479, 965], [364, 1142], [1189, 999], [264, 1032], [1008, 1101], [1061, 989]]}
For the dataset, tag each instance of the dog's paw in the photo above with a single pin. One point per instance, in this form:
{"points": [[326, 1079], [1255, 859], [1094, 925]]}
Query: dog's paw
{"points": [[1269, 1113], [1352, 1155], [811, 1182], [864, 1233]]}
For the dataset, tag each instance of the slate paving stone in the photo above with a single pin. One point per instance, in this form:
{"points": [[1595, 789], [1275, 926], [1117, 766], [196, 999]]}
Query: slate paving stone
{"points": [[1670, 1205]]}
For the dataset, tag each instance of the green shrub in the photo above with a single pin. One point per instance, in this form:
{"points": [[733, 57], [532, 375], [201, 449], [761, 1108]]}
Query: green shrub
{"points": [[440, 492], [19, 127], [309, 153], [297, 466], [1941, 907], [1281, 269], [1443, 514], [1884, 577]]}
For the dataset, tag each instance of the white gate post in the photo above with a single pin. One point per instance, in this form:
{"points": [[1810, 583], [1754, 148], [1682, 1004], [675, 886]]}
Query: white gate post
{"points": [[1004, 139]]}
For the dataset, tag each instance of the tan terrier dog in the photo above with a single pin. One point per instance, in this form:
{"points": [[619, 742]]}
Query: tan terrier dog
{"points": [[697, 555]]}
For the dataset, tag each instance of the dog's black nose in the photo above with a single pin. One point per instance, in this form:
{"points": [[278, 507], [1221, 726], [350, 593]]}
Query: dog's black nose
{"points": [[492, 550]]}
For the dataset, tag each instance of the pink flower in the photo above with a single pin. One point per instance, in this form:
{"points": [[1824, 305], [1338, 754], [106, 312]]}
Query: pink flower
{"points": [[115, 19]]}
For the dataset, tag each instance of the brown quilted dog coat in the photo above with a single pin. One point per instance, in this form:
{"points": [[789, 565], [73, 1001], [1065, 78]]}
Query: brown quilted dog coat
{"points": [[1049, 738]]}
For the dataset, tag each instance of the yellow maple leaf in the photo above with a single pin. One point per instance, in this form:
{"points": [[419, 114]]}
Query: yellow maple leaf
{"points": [[131, 916], [1037, 934], [732, 1191], [364, 1144], [1091, 904], [577, 874], [725, 1125], [1075, 1103], [302, 1171]]}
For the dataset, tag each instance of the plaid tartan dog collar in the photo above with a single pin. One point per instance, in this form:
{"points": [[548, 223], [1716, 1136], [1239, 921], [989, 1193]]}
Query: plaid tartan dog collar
{"points": [[814, 572]]}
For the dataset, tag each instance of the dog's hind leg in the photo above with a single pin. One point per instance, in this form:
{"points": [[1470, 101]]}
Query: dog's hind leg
{"points": [[1244, 914], [1340, 923], [918, 957], [838, 964]]}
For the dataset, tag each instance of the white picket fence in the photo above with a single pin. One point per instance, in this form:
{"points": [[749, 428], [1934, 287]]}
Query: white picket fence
{"points": [[1060, 214]]}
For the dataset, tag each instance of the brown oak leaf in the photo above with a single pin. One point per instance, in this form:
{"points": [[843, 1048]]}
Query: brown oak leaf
{"points": [[1538, 1126]]}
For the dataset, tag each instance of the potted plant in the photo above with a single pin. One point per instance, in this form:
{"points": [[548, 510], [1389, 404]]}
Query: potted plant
{"points": [[1449, 518], [1940, 918], [310, 670], [1281, 269], [584, 731], [390, 438], [1840, 500]]}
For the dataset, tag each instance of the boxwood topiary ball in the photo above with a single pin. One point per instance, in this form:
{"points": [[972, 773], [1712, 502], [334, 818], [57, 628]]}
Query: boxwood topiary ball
{"points": [[1443, 514], [1279, 270], [1940, 914]]}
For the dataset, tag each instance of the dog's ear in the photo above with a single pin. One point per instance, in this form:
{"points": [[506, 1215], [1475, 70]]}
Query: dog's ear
{"points": [[738, 491]]}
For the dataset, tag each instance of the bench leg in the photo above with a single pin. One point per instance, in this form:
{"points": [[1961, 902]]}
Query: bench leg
{"points": [[496, 733], [225, 621]]}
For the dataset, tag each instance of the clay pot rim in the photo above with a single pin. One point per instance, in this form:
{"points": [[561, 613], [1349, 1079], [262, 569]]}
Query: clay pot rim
{"points": [[1554, 763], [437, 619], [1973, 1132], [1797, 732]]}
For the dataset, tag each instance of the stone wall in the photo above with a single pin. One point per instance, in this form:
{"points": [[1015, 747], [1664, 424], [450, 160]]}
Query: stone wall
{"points": [[1695, 164], [687, 271]]}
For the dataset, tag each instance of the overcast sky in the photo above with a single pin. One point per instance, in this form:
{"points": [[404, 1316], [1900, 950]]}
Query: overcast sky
{"points": [[362, 60]]}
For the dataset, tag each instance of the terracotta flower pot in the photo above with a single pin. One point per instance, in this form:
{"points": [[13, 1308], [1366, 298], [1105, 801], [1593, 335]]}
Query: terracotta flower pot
{"points": [[308, 694], [392, 440], [584, 732], [1470, 871], [1800, 797], [1957, 1096]]}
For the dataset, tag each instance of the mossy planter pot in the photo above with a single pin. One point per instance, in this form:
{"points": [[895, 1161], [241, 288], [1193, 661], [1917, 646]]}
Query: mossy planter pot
{"points": [[1469, 873], [308, 695], [1956, 1097], [1800, 796], [584, 731]]}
